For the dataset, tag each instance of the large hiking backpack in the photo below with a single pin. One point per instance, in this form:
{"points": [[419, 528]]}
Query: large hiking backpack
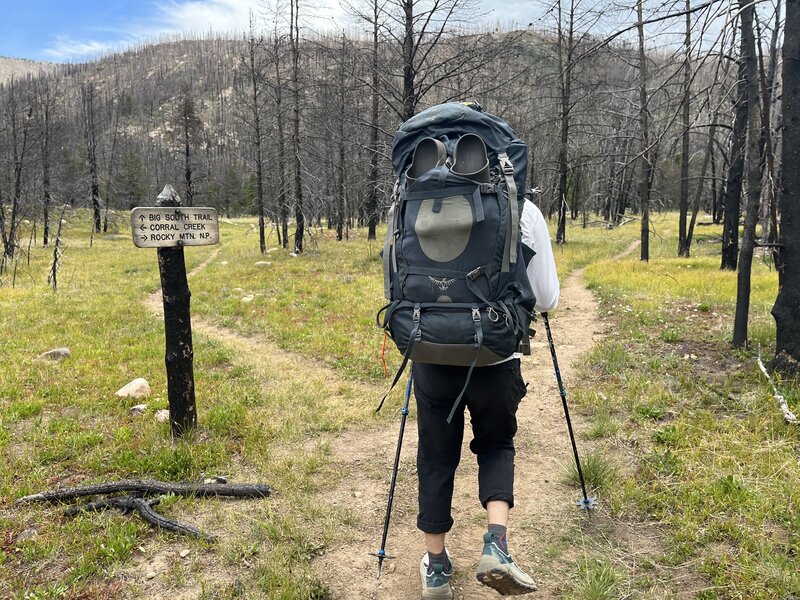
{"points": [[454, 265]]}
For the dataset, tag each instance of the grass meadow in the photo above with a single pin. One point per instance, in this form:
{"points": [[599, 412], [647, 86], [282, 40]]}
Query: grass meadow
{"points": [[681, 431]]}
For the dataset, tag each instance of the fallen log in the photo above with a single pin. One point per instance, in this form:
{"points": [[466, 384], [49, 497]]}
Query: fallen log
{"points": [[215, 486], [152, 487], [145, 509]]}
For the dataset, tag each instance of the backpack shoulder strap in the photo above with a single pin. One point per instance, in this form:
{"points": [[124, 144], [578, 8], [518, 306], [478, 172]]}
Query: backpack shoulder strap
{"points": [[510, 253]]}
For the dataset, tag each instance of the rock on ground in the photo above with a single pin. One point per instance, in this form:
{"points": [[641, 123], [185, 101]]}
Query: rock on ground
{"points": [[55, 354], [138, 388]]}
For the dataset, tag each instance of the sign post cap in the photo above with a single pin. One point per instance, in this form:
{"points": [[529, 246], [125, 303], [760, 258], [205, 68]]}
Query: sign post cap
{"points": [[168, 197]]}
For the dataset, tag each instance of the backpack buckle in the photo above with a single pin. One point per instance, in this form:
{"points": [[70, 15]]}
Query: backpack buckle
{"points": [[476, 314], [415, 317], [474, 274], [506, 166]]}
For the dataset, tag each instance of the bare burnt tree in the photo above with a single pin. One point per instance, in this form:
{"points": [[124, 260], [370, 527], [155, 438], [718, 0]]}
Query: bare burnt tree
{"points": [[645, 160], [90, 126], [769, 193], [253, 104], [417, 32], [294, 42], [733, 187], [18, 130], [754, 127], [683, 240], [565, 66], [46, 113], [786, 310], [373, 150], [188, 133]]}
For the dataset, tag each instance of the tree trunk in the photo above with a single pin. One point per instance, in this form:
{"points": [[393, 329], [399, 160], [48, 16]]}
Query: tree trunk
{"points": [[294, 34], [753, 175], [372, 193], [46, 134], [90, 130], [683, 241], [698, 195], [283, 207], [646, 166], [733, 187], [786, 310], [262, 239], [565, 71], [409, 75]]}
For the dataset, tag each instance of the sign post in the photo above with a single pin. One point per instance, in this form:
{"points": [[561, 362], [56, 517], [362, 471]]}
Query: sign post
{"points": [[169, 227]]}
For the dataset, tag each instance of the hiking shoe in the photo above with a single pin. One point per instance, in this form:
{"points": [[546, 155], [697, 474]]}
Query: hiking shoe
{"points": [[435, 581], [497, 570]]}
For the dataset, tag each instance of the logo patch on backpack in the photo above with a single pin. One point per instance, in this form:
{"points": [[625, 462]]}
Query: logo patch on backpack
{"points": [[441, 284]]}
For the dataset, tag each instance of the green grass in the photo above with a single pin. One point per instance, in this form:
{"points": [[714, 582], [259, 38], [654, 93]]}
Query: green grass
{"points": [[61, 424], [677, 429], [707, 452]]}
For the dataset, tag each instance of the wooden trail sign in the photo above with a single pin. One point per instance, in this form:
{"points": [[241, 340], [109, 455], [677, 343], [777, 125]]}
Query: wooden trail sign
{"points": [[169, 227], [173, 227]]}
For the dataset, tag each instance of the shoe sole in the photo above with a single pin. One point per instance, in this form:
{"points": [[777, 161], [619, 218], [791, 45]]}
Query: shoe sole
{"points": [[438, 593], [494, 574]]}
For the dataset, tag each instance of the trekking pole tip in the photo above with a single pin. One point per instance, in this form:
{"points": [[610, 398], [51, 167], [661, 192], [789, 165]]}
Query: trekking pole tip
{"points": [[381, 554]]}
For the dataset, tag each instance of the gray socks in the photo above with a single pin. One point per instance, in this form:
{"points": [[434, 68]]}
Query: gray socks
{"points": [[499, 534], [439, 559]]}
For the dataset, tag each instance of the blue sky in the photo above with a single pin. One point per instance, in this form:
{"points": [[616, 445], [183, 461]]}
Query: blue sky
{"points": [[77, 30], [74, 30]]}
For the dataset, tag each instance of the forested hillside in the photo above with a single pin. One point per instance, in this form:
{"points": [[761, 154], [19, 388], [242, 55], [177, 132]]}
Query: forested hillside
{"points": [[17, 67], [320, 111]]}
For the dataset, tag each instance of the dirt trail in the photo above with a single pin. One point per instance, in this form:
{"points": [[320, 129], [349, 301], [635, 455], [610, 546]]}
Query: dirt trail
{"points": [[545, 507]]}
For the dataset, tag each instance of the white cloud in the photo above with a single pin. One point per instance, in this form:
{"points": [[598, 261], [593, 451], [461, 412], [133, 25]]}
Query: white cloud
{"points": [[200, 16], [65, 48], [232, 16]]}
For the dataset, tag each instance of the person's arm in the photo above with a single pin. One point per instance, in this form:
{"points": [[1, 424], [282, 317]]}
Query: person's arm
{"points": [[542, 268]]}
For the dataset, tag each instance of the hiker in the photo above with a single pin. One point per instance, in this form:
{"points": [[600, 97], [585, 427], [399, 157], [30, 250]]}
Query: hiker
{"points": [[466, 261], [492, 398]]}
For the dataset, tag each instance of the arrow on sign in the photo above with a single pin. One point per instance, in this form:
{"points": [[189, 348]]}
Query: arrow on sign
{"points": [[144, 238], [142, 227], [141, 217]]}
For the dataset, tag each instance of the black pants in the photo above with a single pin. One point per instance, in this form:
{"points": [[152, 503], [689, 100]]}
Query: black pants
{"points": [[492, 397]]}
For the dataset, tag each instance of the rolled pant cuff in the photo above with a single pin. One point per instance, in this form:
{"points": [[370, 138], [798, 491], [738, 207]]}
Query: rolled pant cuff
{"points": [[427, 527], [499, 496]]}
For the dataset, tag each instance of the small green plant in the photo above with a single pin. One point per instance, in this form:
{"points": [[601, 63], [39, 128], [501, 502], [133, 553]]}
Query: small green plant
{"points": [[670, 335], [667, 435], [596, 581], [650, 410], [598, 471], [603, 426]]}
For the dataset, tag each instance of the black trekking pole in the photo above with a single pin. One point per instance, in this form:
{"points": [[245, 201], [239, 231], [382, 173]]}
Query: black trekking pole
{"points": [[586, 503], [381, 554]]}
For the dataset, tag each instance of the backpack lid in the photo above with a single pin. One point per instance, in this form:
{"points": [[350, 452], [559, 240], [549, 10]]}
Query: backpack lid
{"points": [[453, 119]]}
